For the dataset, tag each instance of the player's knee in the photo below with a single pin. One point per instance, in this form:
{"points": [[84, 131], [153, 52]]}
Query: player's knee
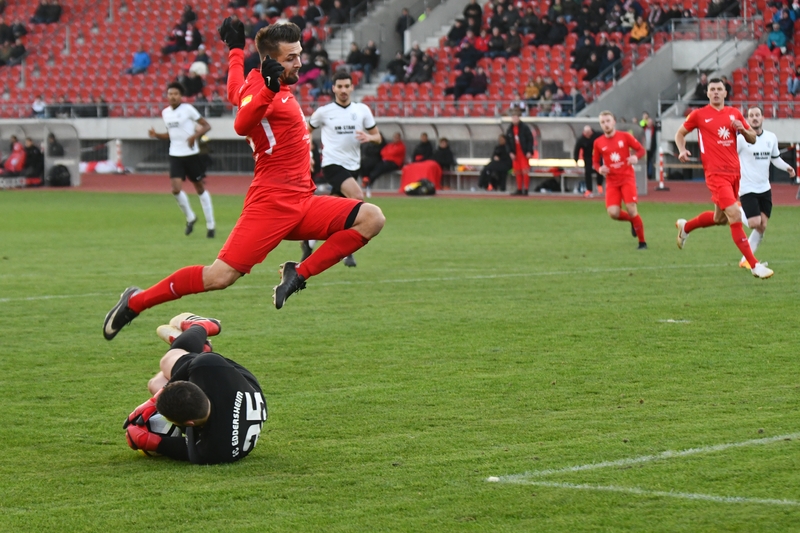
{"points": [[215, 279], [370, 220]]}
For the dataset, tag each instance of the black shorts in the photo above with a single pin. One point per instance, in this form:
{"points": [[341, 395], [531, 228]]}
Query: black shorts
{"points": [[756, 203], [190, 166], [335, 175]]}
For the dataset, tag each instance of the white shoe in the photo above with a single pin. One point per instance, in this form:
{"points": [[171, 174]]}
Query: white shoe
{"points": [[177, 319], [761, 271], [368, 192], [681, 234], [168, 333]]}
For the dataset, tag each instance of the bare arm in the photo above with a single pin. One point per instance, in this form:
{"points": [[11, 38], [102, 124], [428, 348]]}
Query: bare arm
{"points": [[371, 135], [154, 135], [680, 142]]}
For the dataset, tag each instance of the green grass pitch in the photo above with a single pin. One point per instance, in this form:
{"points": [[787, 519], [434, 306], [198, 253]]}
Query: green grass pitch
{"points": [[476, 338]]}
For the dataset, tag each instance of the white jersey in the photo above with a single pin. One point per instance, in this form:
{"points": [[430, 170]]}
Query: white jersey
{"points": [[754, 160], [181, 124], [339, 125]]}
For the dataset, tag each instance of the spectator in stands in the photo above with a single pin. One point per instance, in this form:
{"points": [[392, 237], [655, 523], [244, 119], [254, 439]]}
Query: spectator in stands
{"points": [[786, 23], [495, 174], [481, 42], [545, 104], [200, 68], [393, 157], [38, 107], [141, 60], [473, 10], [479, 83], [188, 16], [640, 33], [5, 54], [510, 17], [496, 20], [468, 56], [474, 25], [700, 96], [424, 150], [444, 156], [513, 43], [338, 15], [63, 109], [355, 59], [613, 20], [396, 69], [548, 83], [47, 12], [404, 21], [202, 55], [716, 8], [580, 55], [414, 51], [457, 33], [54, 148], [462, 82], [776, 40], [794, 81], [628, 20], [425, 72], [372, 58], [313, 13], [497, 44], [6, 35], [533, 91], [413, 69], [34, 160], [18, 53], [319, 51], [529, 21], [592, 67], [583, 19], [192, 37], [192, 83], [101, 107], [559, 101], [175, 41], [322, 83], [609, 67], [262, 22], [555, 10], [557, 32]]}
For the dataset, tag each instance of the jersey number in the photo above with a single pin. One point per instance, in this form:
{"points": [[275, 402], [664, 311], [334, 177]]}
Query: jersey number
{"points": [[270, 136], [256, 412]]}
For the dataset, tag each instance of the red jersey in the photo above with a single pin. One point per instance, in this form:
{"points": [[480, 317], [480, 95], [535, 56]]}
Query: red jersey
{"points": [[394, 152], [717, 137], [274, 126], [615, 151]]}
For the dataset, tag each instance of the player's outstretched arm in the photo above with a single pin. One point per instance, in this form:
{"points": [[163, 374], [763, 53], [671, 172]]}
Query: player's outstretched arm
{"points": [[680, 141], [231, 32]]}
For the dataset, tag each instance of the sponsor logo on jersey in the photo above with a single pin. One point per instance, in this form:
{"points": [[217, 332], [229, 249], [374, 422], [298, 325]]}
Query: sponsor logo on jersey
{"points": [[245, 100]]}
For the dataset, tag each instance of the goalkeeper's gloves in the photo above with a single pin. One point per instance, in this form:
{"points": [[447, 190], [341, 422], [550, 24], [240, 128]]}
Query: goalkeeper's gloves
{"points": [[232, 33], [271, 71], [140, 438], [142, 414]]}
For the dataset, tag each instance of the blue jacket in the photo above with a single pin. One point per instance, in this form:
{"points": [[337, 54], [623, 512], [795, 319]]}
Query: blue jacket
{"points": [[141, 60]]}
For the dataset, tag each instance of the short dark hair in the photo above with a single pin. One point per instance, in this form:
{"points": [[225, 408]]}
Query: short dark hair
{"points": [[716, 80], [177, 85], [181, 401], [269, 39], [341, 75]]}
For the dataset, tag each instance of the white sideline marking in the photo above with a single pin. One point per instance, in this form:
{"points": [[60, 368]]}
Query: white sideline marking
{"points": [[669, 454], [670, 494], [417, 280], [675, 321]]}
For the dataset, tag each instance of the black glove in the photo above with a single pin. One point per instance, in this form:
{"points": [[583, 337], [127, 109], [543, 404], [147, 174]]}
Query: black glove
{"points": [[271, 71], [232, 33]]}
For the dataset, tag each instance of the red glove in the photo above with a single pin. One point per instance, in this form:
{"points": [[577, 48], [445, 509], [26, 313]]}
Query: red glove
{"points": [[139, 438], [141, 414]]}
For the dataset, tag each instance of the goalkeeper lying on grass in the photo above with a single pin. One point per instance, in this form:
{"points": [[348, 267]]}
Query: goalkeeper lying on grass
{"points": [[216, 403]]}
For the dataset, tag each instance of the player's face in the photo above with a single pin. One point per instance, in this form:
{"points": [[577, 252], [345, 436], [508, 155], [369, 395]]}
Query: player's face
{"points": [[716, 93], [342, 90], [174, 97], [755, 118], [607, 123], [289, 57]]}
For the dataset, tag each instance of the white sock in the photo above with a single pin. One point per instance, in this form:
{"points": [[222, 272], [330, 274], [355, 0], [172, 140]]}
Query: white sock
{"points": [[183, 203], [745, 222], [755, 240], [312, 243], [208, 209]]}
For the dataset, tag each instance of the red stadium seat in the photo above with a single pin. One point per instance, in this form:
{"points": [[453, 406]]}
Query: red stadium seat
{"points": [[784, 110]]}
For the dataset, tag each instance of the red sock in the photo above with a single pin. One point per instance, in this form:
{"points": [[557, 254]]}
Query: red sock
{"points": [[338, 246], [740, 239], [638, 225], [519, 181], [526, 180], [188, 280], [703, 220], [624, 216]]}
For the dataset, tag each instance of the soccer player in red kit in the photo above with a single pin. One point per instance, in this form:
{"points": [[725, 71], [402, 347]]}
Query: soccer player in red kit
{"points": [[717, 125], [614, 147], [280, 203]]}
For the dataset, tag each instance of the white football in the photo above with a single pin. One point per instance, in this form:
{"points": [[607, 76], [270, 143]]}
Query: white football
{"points": [[160, 425]]}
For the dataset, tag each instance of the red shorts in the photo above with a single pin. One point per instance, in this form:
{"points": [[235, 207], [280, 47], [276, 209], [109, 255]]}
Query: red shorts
{"points": [[270, 216], [619, 191], [521, 163], [724, 189]]}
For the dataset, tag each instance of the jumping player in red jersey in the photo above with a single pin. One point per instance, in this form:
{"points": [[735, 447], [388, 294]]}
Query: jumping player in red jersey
{"points": [[717, 125], [614, 147], [280, 203]]}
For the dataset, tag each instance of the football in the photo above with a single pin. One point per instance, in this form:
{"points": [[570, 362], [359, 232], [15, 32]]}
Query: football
{"points": [[160, 425]]}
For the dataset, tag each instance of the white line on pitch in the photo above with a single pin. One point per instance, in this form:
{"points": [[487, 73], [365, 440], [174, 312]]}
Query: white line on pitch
{"points": [[669, 494], [428, 279], [669, 454]]}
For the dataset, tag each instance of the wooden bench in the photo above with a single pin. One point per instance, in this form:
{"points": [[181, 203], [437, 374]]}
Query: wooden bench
{"points": [[467, 172]]}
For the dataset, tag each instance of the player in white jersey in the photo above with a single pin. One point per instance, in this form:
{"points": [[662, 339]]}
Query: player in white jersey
{"points": [[755, 193], [344, 125], [185, 126]]}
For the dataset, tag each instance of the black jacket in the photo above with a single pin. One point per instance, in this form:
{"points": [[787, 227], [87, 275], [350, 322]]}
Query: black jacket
{"points": [[422, 152], [525, 138], [445, 158], [587, 145]]}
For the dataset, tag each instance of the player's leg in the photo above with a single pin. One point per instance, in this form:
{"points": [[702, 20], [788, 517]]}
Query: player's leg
{"points": [[630, 197], [177, 174], [750, 210], [197, 176], [350, 188], [614, 203], [706, 218]]}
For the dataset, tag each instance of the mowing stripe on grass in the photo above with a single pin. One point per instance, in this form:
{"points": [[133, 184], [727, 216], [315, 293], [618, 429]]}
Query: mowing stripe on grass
{"points": [[669, 454], [417, 280], [669, 494]]}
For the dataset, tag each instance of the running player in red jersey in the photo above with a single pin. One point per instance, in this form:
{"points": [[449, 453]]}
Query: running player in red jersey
{"points": [[280, 203], [614, 147], [717, 126]]}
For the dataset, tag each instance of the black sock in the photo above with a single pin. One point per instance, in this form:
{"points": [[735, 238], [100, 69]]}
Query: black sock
{"points": [[192, 340]]}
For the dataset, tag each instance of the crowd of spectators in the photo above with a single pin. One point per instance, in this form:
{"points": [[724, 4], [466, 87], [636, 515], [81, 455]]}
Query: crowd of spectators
{"points": [[12, 47], [47, 12]]}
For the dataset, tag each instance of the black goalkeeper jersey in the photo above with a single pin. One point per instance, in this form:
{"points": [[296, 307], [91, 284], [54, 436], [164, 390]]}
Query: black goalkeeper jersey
{"points": [[238, 411]]}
